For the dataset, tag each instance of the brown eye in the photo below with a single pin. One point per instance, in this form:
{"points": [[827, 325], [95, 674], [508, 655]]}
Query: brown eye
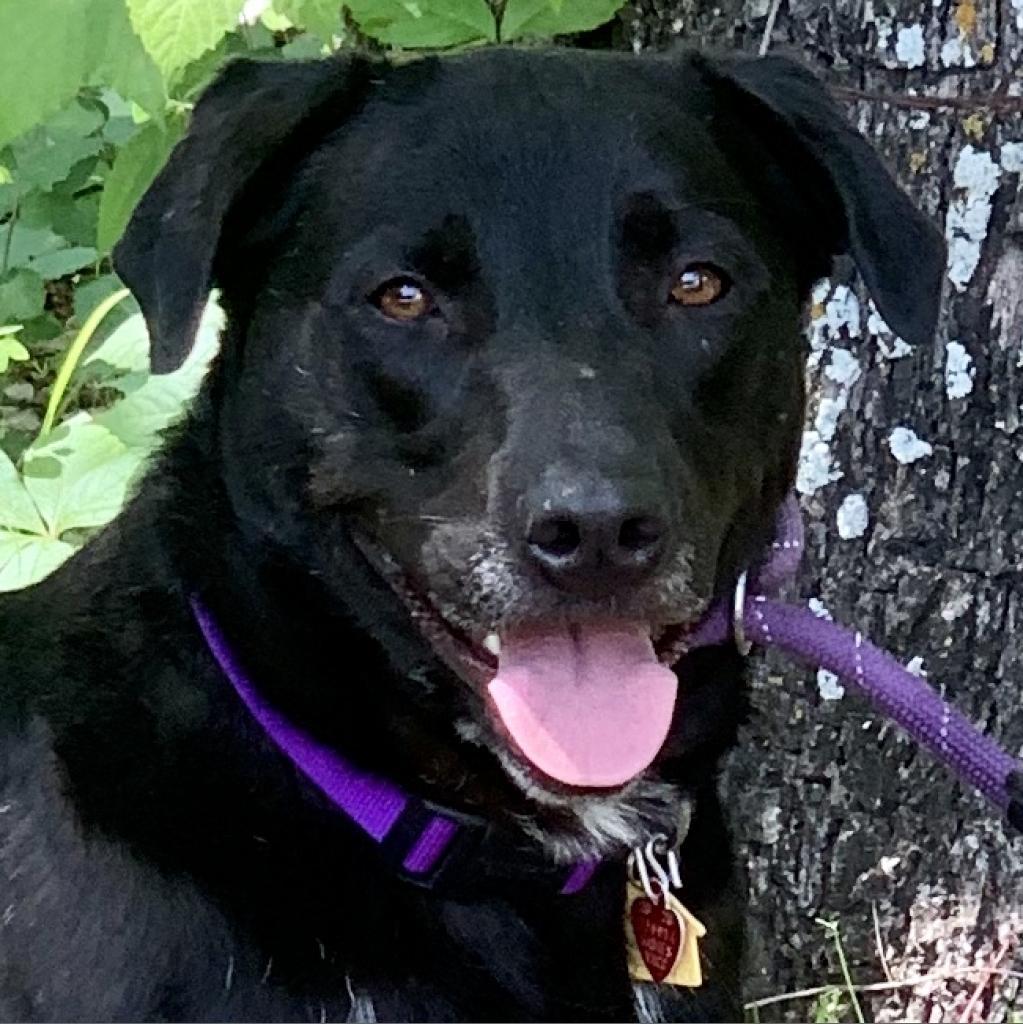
{"points": [[699, 285], [403, 299]]}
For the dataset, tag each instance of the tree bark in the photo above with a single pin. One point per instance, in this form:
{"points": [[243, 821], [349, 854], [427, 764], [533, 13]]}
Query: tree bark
{"points": [[838, 815]]}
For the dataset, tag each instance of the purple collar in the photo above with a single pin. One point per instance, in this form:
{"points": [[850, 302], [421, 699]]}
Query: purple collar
{"points": [[426, 843]]}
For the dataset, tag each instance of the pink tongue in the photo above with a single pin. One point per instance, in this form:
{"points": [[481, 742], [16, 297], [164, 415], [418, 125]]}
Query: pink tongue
{"points": [[588, 705]]}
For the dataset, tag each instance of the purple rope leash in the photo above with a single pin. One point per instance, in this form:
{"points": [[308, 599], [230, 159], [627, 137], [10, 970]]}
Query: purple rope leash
{"points": [[903, 697]]}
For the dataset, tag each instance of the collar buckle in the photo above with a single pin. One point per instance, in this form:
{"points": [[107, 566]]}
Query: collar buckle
{"points": [[471, 854], [458, 839]]}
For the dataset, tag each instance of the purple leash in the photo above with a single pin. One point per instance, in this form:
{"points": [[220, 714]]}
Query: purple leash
{"points": [[903, 697]]}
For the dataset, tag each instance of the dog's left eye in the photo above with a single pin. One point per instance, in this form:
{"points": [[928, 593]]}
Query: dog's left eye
{"points": [[403, 299], [699, 284]]}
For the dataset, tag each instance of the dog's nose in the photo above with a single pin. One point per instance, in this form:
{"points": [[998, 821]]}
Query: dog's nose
{"points": [[596, 550]]}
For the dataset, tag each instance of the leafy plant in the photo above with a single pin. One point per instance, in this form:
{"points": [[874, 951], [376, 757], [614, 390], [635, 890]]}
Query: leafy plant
{"points": [[96, 93], [829, 1007], [75, 478], [11, 350]]}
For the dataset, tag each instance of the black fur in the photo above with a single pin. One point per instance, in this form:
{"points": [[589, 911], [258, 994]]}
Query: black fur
{"points": [[159, 860]]}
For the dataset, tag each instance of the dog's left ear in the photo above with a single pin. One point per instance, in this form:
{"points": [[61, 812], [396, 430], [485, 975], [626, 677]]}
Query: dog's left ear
{"points": [[899, 252], [250, 128]]}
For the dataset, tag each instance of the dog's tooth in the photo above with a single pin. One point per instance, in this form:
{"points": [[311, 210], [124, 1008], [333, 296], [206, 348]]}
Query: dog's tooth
{"points": [[492, 643]]}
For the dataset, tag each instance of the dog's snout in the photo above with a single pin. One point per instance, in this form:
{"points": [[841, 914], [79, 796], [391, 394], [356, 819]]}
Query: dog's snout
{"points": [[594, 548]]}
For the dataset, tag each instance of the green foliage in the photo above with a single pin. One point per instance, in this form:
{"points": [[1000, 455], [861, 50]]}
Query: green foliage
{"points": [[95, 94], [76, 477], [175, 32], [425, 24], [444, 24], [49, 49], [22, 296], [320, 17], [540, 19], [830, 1007], [11, 350]]}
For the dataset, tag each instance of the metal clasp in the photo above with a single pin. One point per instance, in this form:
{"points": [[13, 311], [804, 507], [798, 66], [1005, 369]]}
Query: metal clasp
{"points": [[646, 868]]}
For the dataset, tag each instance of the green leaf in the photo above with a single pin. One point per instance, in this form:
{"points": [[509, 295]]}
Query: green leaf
{"points": [[11, 350], [84, 175], [45, 252], [190, 82], [133, 172], [83, 117], [80, 475], [304, 47], [119, 126], [546, 18], [417, 24], [17, 510], [175, 32], [139, 419], [49, 48], [72, 218], [28, 243], [258, 39], [42, 60], [321, 17], [90, 294], [44, 158], [125, 349], [26, 559], [122, 62], [56, 264], [45, 155], [22, 295], [40, 329]]}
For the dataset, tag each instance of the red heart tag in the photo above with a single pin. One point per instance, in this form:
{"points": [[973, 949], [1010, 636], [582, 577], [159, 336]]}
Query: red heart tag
{"points": [[658, 933]]}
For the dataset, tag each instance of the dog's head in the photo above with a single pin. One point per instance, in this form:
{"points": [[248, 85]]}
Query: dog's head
{"points": [[525, 328]]}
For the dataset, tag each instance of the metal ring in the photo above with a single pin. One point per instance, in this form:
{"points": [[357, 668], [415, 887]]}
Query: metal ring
{"points": [[637, 869], [650, 855], [673, 870], [739, 615]]}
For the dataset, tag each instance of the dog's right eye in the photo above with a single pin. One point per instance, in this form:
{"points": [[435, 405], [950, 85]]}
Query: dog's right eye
{"points": [[403, 299], [699, 284]]}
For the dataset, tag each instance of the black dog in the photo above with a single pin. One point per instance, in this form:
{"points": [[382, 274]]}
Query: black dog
{"points": [[512, 383]]}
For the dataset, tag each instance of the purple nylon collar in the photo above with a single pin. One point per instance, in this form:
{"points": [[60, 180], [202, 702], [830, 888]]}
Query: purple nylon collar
{"points": [[428, 833], [903, 697]]}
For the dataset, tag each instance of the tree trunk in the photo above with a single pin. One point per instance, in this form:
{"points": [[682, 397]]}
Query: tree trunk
{"points": [[915, 538]]}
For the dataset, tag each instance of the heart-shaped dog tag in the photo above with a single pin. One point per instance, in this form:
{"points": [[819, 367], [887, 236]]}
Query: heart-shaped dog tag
{"points": [[661, 939], [658, 933]]}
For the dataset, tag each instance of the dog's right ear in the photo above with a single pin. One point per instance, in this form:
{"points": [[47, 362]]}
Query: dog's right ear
{"points": [[255, 114]]}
